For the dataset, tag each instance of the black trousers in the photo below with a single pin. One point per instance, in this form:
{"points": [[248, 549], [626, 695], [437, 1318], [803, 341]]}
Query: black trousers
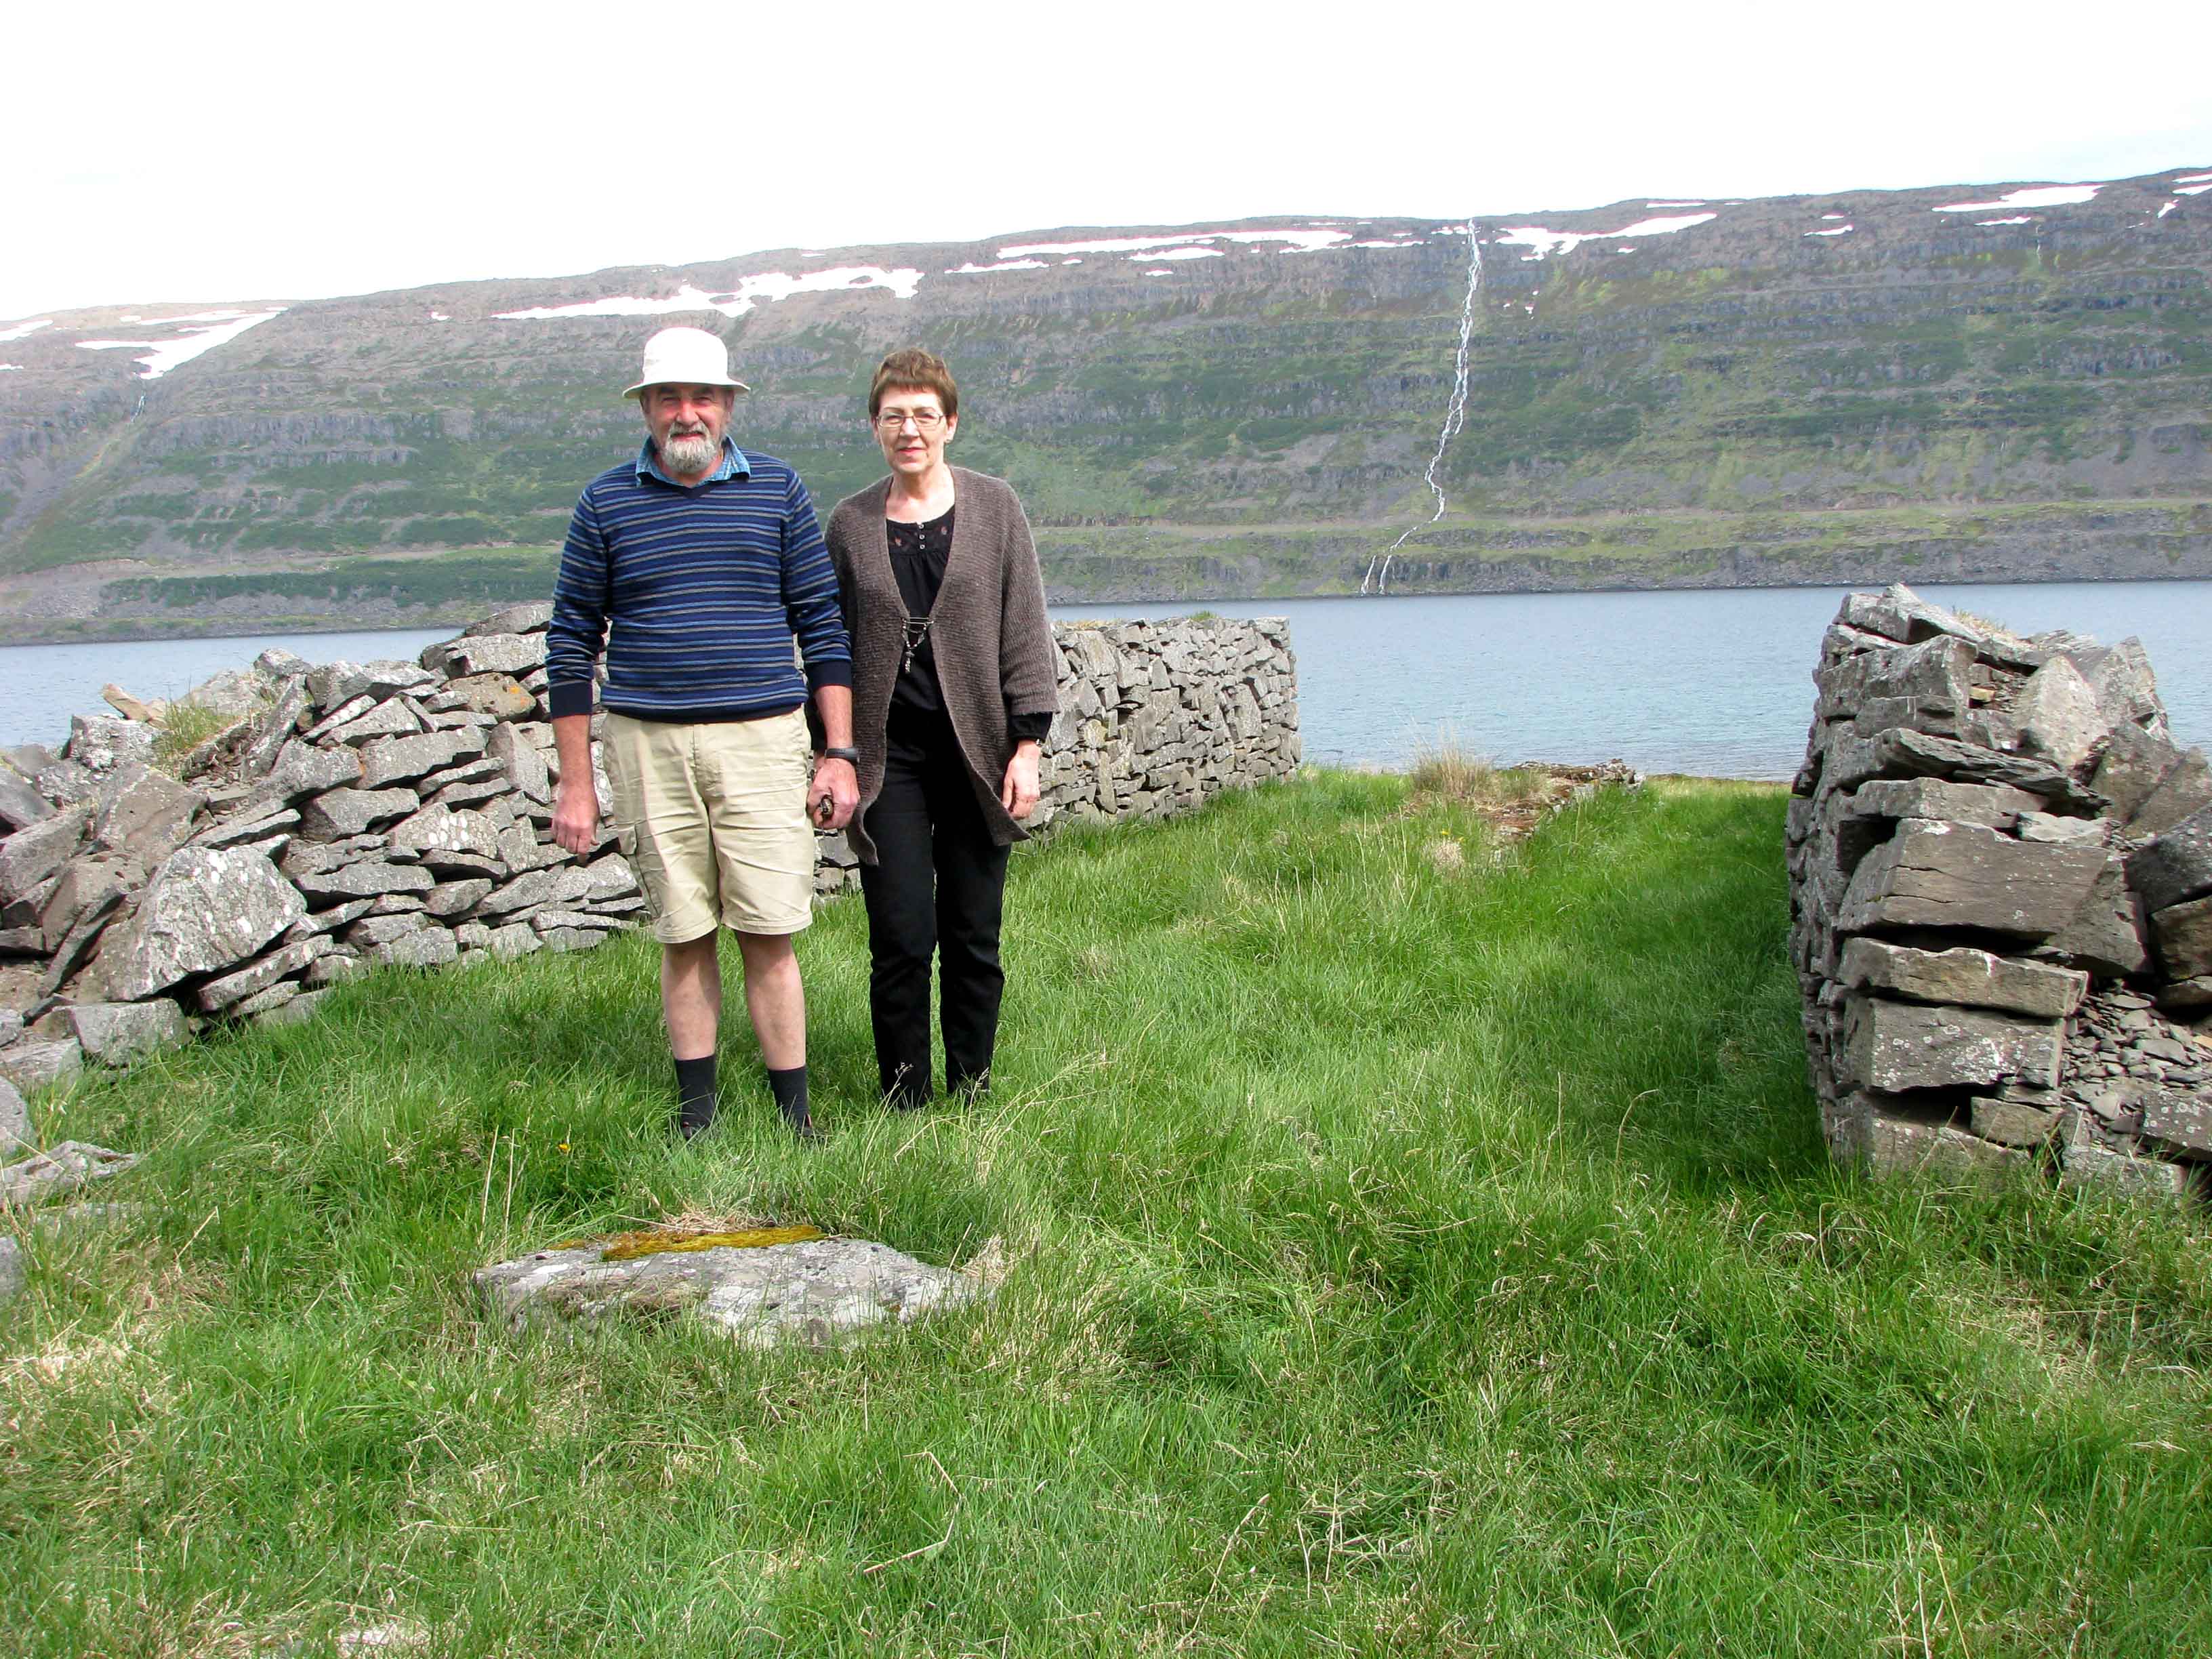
{"points": [[938, 887]]}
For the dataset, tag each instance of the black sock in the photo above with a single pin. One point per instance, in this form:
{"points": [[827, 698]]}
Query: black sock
{"points": [[789, 1087], [695, 1094]]}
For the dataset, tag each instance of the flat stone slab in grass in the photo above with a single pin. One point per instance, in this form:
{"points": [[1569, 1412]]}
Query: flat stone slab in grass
{"points": [[812, 1292], [72, 1164], [11, 1270]]}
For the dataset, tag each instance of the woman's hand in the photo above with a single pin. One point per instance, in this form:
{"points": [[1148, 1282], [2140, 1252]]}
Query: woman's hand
{"points": [[1018, 794]]}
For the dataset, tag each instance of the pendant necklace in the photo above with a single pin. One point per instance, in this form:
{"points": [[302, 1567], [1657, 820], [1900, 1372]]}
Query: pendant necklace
{"points": [[917, 630]]}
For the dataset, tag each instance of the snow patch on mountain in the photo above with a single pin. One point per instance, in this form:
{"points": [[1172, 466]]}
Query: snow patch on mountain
{"points": [[1309, 239], [23, 329], [203, 331], [2034, 195], [1566, 242], [770, 285], [971, 269], [1833, 230]]}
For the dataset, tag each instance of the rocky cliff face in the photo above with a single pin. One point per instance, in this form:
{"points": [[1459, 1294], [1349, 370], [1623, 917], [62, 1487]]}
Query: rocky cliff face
{"points": [[1248, 405]]}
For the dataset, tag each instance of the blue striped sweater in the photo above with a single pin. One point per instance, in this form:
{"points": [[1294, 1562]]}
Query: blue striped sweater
{"points": [[699, 592]]}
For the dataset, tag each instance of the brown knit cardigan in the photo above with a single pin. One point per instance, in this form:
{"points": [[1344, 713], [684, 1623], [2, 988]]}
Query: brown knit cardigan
{"points": [[993, 646]]}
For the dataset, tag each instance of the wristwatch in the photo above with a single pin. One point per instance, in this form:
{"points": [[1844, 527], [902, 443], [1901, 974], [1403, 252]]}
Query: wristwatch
{"points": [[843, 752]]}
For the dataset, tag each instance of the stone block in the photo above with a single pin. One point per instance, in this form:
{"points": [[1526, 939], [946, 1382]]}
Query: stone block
{"points": [[36, 1063], [450, 843], [2105, 935], [21, 806], [14, 1119], [301, 769], [338, 814], [35, 855], [522, 761], [85, 885], [364, 880], [431, 947], [391, 718], [449, 899], [2134, 764], [2175, 866], [116, 1033], [2181, 1120], [529, 617], [1895, 1146], [2084, 1165], [1997, 807], [2059, 715], [538, 887], [258, 977], [206, 909], [336, 682], [2182, 935], [373, 930], [2189, 997], [1933, 874], [1964, 977], [2186, 791], [2046, 826], [486, 653], [387, 761], [517, 939], [144, 813], [100, 745], [2014, 1123], [245, 827], [1899, 1047], [1930, 677], [499, 695]]}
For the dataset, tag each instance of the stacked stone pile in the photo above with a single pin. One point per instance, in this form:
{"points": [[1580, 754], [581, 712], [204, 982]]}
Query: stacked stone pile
{"points": [[2001, 893], [391, 813]]}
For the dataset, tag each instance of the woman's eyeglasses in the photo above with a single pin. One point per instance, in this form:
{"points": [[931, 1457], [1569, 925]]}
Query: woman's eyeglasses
{"points": [[924, 420]]}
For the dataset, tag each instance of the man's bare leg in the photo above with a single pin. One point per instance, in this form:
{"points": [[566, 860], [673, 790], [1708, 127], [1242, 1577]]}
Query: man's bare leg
{"points": [[691, 995], [776, 1001], [692, 1004]]}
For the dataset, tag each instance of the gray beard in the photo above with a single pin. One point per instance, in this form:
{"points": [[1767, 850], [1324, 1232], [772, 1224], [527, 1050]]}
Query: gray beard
{"points": [[685, 455]]}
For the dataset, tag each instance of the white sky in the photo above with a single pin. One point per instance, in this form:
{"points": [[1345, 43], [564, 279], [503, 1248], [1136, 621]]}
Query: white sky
{"points": [[173, 154]]}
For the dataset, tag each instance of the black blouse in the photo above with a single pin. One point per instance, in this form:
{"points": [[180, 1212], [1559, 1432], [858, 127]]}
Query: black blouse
{"points": [[919, 552]]}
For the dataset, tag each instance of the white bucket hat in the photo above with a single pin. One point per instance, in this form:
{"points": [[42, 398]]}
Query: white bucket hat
{"points": [[685, 356]]}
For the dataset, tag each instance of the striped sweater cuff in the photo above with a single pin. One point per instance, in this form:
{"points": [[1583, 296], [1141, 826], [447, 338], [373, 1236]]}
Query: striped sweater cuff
{"points": [[570, 697], [839, 673]]}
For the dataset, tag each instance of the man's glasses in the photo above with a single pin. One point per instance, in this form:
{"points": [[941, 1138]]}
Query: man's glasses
{"points": [[924, 420]]}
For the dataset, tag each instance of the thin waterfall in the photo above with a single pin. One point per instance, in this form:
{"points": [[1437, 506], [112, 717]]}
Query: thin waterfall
{"points": [[1378, 569]]}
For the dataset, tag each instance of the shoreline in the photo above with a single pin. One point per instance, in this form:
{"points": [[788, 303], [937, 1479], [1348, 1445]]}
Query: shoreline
{"points": [[134, 632]]}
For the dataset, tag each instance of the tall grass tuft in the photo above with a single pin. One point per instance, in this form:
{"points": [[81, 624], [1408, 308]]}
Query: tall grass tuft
{"points": [[183, 726], [1445, 773]]}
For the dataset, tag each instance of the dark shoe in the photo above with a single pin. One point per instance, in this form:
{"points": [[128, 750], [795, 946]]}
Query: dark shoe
{"points": [[801, 1125], [693, 1121]]}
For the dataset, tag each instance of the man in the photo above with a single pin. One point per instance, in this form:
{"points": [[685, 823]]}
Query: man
{"points": [[700, 564]]}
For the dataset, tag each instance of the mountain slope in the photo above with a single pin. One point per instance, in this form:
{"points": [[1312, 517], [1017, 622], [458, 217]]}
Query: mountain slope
{"points": [[1989, 380]]}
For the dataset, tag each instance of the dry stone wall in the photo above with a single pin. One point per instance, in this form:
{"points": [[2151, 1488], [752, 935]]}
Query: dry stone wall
{"points": [[2001, 897], [400, 814]]}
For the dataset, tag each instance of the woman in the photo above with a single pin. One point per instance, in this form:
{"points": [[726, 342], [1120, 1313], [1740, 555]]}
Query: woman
{"points": [[954, 688]]}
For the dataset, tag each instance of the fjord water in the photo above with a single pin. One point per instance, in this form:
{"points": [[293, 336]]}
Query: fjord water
{"points": [[1715, 682]]}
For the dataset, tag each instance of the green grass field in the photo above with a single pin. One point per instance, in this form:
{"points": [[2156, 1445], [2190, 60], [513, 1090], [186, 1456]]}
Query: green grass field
{"points": [[1418, 1248]]}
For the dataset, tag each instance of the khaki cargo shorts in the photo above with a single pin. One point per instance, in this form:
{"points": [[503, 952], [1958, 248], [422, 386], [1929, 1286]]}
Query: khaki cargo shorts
{"points": [[715, 816]]}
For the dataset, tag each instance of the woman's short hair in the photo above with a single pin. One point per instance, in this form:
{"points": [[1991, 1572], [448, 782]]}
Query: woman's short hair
{"points": [[924, 371]]}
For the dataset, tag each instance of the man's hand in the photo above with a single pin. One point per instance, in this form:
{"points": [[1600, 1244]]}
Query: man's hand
{"points": [[1019, 793], [832, 796], [576, 813]]}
